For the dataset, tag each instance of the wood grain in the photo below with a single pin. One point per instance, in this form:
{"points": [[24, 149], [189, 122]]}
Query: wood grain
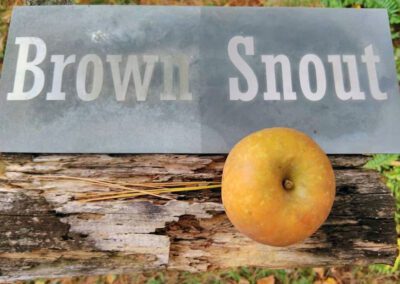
{"points": [[44, 232]]}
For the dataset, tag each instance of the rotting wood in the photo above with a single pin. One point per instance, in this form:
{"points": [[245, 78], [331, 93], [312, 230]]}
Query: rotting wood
{"points": [[45, 233]]}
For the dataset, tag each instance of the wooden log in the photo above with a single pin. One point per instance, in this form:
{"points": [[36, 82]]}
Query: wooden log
{"points": [[44, 232]]}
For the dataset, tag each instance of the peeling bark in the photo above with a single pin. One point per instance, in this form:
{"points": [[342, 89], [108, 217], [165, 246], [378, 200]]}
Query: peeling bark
{"points": [[44, 232]]}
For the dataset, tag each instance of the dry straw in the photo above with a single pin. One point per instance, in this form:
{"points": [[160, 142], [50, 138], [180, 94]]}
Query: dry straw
{"points": [[125, 190]]}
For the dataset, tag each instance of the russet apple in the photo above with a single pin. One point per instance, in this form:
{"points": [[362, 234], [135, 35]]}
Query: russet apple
{"points": [[278, 186]]}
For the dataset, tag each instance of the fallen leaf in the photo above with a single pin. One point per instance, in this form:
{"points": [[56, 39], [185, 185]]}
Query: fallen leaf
{"points": [[330, 280], [267, 280], [110, 278], [320, 272], [243, 281]]}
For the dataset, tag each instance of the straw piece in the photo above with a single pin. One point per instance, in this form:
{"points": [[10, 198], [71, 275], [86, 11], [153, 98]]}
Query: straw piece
{"points": [[102, 183], [129, 195], [155, 191], [157, 188]]}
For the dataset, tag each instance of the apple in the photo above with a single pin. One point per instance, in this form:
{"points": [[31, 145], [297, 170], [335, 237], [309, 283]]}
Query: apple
{"points": [[278, 186]]}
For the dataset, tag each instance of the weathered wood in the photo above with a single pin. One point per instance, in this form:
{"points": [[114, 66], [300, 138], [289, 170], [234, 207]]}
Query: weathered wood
{"points": [[45, 232]]}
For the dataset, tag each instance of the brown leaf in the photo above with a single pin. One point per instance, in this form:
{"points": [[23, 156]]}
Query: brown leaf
{"points": [[330, 280], [267, 280], [110, 278], [320, 271], [243, 281]]}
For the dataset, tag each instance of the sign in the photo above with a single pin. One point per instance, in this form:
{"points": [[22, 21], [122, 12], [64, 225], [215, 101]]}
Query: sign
{"points": [[159, 79]]}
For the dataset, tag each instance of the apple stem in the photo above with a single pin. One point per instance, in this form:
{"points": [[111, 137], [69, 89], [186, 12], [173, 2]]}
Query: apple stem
{"points": [[288, 184]]}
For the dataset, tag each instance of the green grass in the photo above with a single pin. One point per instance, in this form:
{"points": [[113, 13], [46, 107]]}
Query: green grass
{"points": [[243, 275]]}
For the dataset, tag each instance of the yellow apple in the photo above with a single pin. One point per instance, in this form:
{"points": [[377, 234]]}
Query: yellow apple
{"points": [[278, 186]]}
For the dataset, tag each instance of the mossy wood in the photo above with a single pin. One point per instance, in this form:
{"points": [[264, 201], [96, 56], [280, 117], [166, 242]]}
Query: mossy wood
{"points": [[45, 233]]}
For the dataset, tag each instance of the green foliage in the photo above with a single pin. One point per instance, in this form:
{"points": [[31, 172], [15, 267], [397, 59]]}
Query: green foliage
{"points": [[279, 274], [241, 272], [158, 279], [381, 161], [304, 276], [389, 166], [292, 3], [392, 7], [397, 61], [381, 269], [233, 275], [392, 175], [340, 3], [252, 275]]}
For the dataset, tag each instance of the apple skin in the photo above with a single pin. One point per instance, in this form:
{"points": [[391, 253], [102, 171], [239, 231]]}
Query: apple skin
{"points": [[253, 192]]}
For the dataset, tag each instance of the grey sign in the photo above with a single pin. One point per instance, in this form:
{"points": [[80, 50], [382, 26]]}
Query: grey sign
{"points": [[196, 79]]}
